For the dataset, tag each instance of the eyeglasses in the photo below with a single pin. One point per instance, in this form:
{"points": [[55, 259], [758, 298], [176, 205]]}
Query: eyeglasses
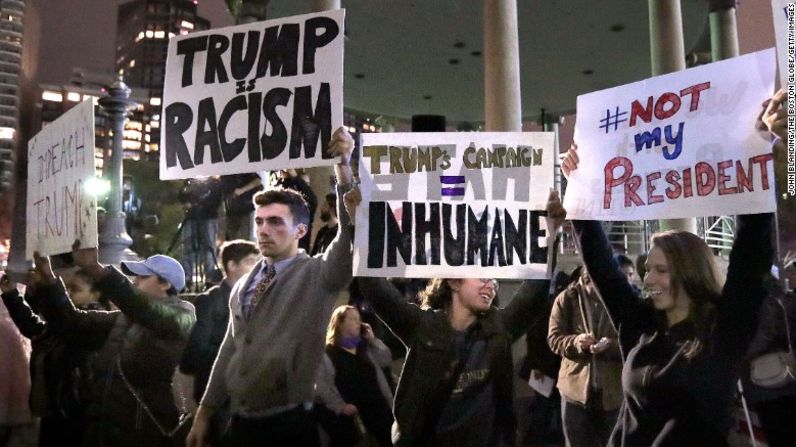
{"points": [[494, 282]]}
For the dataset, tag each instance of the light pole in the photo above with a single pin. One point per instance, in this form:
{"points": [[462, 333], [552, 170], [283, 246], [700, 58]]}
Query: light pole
{"points": [[114, 242]]}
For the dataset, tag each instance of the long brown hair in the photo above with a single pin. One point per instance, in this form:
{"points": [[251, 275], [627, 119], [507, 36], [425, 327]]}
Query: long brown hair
{"points": [[437, 295], [338, 316], [692, 267]]}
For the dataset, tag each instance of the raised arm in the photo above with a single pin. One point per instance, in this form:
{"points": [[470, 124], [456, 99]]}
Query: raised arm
{"points": [[622, 302], [744, 291], [392, 308], [28, 323], [530, 300], [165, 320], [338, 257]]}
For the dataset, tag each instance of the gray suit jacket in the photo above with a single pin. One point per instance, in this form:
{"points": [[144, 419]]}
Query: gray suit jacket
{"points": [[270, 360]]}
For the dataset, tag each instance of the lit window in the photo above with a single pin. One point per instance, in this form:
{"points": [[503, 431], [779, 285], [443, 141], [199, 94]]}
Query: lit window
{"points": [[139, 36], [52, 96], [150, 34], [183, 32], [147, 138], [132, 63], [186, 24], [153, 146], [156, 117], [73, 96], [127, 144], [132, 135], [154, 101], [154, 124], [147, 128], [160, 34], [7, 133]]}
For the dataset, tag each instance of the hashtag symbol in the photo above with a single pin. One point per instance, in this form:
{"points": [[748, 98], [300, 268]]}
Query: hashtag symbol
{"points": [[612, 120]]}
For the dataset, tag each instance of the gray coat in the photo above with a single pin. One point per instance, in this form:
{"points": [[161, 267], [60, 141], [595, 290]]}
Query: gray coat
{"points": [[270, 359]]}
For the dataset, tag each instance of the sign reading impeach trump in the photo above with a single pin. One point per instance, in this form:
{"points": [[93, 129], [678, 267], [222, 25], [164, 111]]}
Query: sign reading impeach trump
{"points": [[60, 161], [453, 205], [259, 96], [679, 145]]}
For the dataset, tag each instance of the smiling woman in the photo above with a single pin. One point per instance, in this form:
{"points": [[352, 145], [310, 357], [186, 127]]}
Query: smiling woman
{"points": [[684, 347]]}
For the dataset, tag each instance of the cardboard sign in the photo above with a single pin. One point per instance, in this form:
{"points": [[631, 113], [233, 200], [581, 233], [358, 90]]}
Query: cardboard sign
{"points": [[454, 205], [674, 146], [60, 161], [247, 98]]}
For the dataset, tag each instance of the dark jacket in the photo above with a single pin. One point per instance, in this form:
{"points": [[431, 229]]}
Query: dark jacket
{"points": [[60, 372], [212, 318], [770, 337], [431, 357], [671, 400], [146, 338]]}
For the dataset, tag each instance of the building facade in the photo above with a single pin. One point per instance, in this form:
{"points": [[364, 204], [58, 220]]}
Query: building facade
{"points": [[143, 29]]}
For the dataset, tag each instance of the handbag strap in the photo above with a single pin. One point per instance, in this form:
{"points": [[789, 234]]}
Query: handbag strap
{"points": [[438, 405], [787, 326], [184, 417]]}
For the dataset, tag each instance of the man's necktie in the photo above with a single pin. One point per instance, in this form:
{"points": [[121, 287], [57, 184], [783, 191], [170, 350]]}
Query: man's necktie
{"points": [[262, 287]]}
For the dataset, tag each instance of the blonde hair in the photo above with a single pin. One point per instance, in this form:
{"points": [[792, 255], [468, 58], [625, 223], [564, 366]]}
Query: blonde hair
{"points": [[338, 316]]}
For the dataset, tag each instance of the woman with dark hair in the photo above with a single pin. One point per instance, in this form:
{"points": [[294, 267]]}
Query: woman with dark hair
{"points": [[456, 387], [351, 380], [683, 347]]}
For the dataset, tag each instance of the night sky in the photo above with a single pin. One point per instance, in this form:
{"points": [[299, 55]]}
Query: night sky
{"points": [[82, 33]]}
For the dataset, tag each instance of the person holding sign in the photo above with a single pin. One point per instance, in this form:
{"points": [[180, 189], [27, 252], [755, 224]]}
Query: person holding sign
{"points": [[683, 347], [456, 387], [138, 346], [274, 342]]}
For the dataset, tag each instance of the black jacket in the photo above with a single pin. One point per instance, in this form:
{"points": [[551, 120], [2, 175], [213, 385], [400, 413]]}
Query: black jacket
{"points": [[212, 318], [670, 400], [431, 356]]}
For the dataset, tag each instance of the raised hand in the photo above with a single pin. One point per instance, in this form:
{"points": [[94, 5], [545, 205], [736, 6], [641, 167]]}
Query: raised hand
{"points": [[571, 160], [556, 214], [342, 145]]}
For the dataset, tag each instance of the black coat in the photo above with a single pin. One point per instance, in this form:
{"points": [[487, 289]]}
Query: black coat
{"points": [[431, 353], [212, 318], [670, 399]]}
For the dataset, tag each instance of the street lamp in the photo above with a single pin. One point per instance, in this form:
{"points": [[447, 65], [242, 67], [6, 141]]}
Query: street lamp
{"points": [[114, 242]]}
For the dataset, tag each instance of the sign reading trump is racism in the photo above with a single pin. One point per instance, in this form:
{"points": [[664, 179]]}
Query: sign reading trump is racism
{"points": [[259, 96], [454, 205], [679, 145], [60, 161]]}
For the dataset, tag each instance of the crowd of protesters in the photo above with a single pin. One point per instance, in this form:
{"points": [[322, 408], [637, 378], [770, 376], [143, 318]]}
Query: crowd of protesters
{"points": [[276, 360]]}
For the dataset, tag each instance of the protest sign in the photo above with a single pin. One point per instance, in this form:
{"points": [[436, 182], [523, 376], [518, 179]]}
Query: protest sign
{"points": [[784, 15], [675, 146], [246, 98], [60, 161], [454, 205]]}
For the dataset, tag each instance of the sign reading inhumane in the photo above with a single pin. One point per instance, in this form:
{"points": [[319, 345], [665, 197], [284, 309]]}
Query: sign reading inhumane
{"points": [[252, 97], [674, 146], [60, 161], [454, 205]]}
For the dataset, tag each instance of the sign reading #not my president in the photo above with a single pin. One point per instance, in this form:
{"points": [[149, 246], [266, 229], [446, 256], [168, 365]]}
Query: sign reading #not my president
{"points": [[259, 96], [60, 161], [453, 205], [678, 145]]}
